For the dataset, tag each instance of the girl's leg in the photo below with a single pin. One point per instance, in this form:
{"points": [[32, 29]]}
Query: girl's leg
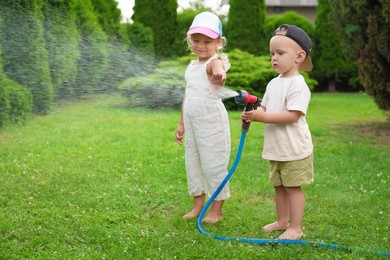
{"points": [[198, 206], [215, 213], [282, 211], [296, 204]]}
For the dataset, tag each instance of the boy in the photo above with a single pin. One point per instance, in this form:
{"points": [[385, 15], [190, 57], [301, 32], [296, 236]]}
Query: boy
{"points": [[287, 139]]}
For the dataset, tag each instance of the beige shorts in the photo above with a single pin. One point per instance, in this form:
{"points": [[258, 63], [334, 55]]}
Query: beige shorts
{"points": [[291, 173]]}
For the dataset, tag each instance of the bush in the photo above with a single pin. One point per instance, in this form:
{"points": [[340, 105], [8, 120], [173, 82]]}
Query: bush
{"points": [[253, 73], [24, 53], [15, 101], [274, 21], [164, 88]]}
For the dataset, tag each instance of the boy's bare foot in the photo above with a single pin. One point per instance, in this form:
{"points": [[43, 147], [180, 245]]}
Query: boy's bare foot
{"points": [[192, 214], [291, 234], [212, 218], [276, 226]]}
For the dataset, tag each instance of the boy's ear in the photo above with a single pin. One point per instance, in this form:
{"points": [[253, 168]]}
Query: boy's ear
{"points": [[301, 56]]}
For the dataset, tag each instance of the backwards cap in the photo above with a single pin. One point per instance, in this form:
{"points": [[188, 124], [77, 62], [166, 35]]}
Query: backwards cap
{"points": [[301, 38], [208, 24]]}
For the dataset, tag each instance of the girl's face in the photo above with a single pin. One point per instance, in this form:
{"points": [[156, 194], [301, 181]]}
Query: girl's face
{"points": [[204, 47], [286, 55]]}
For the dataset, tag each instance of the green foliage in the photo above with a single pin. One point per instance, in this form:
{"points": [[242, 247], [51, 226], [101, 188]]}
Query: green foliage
{"points": [[62, 41], [161, 17], [245, 25], [164, 88], [253, 73], [274, 21], [166, 84], [15, 101], [141, 39], [25, 58], [364, 26], [109, 16], [330, 58], [93, 62]]}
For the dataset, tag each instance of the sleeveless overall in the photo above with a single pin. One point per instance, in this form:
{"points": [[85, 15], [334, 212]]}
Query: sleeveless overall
{"points": [[207, 133]]}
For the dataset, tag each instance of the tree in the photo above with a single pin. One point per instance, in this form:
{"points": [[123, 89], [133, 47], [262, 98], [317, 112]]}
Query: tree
{"points": [[25, 58], [109, 16], [331, 61], [244, 29], [15, 100], [161, 17], [62, 44], [364, 27], [93, 61]]}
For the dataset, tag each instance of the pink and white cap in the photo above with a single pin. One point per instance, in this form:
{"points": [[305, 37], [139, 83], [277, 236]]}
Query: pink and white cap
{"points": [[208, 24]]}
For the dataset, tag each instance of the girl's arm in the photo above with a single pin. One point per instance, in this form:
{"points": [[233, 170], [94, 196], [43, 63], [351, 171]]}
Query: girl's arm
{"points": [[180, 127], [216, 72]]}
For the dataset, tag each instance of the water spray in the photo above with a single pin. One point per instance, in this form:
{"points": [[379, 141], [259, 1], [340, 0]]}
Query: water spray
{"points": [[251, 103]]}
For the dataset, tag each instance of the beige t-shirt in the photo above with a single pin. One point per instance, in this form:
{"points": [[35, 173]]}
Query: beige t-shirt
{"points": [[287, 142]]}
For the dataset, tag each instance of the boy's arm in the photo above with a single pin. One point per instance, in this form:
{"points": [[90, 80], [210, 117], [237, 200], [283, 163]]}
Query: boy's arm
{"points": [[284, 117]]}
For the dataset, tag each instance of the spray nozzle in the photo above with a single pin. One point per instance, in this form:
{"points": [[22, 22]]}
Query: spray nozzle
{"points": [[244, 98], [250, 102]]}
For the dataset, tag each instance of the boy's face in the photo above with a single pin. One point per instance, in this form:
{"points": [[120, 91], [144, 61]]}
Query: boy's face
{"points": [[286, 55], [203, 46]]}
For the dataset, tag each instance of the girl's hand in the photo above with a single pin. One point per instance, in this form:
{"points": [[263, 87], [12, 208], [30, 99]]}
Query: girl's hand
{"points": [[218, 78], [179, 134]]}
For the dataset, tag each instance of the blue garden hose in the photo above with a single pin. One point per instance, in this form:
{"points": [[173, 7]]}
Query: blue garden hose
{"points": [[258, 240]]}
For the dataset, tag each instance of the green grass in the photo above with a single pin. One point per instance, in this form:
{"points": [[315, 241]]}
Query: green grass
{"points": [[96, 180]]}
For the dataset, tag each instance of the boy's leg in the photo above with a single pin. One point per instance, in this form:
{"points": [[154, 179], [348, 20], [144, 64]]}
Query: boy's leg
{"points": [[282, 211], [215, 213], [198, 206], [296, 204]]}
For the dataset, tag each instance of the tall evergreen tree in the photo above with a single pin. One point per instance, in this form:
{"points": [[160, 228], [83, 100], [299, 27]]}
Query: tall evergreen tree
{"points": [[244, 30], [62, 41], [109, 16], [93, 61], [161, 17], [25, 58], [364, 26], [331, 61], [119, 58], [15, 100]]}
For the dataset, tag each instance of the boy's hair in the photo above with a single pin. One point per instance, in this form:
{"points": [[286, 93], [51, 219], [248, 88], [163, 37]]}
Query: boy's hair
{"points": [[219, 49]]}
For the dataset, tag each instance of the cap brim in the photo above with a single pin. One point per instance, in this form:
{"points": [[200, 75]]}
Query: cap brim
{"points": [[204, 31], [307, 65]]}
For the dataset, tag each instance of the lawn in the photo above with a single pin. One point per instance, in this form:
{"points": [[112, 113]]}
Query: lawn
{"points": [[97, 180]]}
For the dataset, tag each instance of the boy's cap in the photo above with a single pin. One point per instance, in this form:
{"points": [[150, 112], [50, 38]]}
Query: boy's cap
{"points": [[301, 38], [208, 24]]}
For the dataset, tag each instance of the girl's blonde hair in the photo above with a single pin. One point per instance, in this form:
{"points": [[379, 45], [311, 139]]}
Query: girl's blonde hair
{"points": [[220, 47]]}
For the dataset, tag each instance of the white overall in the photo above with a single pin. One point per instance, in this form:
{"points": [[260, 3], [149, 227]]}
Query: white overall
{"points": [[207, 133]]}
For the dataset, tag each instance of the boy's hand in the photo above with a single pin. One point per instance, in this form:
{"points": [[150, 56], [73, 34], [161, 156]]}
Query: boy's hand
{"points": [[252, 115]]}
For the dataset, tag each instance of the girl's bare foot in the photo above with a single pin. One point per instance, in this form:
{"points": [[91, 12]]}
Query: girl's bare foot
{"points": [[291, 234], [194, 213], [212, 218], [276, 226]]}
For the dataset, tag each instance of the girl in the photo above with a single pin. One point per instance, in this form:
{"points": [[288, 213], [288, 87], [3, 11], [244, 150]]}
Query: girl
{"points": [[204, 120]]}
